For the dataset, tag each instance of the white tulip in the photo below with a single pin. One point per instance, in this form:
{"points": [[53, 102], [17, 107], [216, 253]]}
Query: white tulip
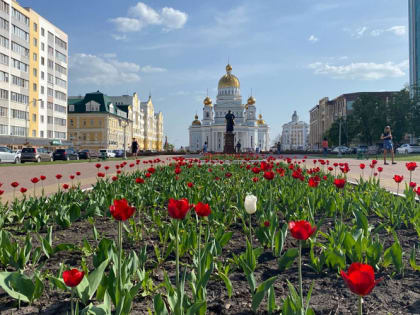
{"points": [[250, 204]]}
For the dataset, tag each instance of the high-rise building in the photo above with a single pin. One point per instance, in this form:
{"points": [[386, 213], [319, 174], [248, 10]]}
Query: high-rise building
{"points": [[414, 42], [33, 78]]}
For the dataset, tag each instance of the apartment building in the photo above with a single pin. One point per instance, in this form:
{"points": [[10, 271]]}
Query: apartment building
{"points": [[98, 121], [33, 78]]}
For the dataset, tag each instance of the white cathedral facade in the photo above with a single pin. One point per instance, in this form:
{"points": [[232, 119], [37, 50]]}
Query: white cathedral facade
{"points": [[250, 132]]}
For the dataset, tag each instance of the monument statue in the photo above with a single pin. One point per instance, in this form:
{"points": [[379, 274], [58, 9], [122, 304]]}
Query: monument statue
{"points": [[230, 121]]}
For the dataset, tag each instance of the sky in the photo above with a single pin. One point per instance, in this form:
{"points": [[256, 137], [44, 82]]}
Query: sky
{"points": [[289, 53]]}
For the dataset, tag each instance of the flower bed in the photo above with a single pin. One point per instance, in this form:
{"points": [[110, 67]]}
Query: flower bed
{"points": [[229, 238]]}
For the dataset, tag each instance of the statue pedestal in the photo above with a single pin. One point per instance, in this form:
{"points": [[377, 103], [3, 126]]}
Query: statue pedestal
{"points": [[229, 143]]}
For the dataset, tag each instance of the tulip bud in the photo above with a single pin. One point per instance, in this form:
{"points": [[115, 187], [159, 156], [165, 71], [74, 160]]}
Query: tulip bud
{"points": [[250, 204]]}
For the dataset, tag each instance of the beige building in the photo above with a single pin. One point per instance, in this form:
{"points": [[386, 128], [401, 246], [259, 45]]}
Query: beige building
{"points": [[33, 78], [98, 121], [326, 111], [295, 134]]}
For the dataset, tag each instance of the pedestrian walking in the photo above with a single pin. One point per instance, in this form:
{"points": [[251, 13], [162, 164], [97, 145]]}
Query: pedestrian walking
{"points": [[388, 145], [325, 146], [134, 147]]}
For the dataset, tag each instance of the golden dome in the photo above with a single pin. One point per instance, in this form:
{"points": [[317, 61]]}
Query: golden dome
{"points": [[196, 122], [251, 100], [229, 80], [260, 121], [207, 101]]}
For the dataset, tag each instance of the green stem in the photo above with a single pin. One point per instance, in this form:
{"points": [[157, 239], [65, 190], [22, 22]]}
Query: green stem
{"points": [[199, 250], [177, 253], [300, 272], [119, 253], [250, 229], [71, 302], [360, 305]]}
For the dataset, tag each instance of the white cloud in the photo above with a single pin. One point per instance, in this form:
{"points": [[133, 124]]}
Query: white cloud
{"points": [[313, 39], [125, 24], [119, 37], [102, 70], [360, 31], [141, 15], [150, 69], [361, 70], [398, 30]]}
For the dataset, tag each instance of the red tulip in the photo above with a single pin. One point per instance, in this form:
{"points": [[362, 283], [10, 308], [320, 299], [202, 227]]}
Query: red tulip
{"points": [[202, 209], [151, 170], [312, 182], [71, 177], [374, 162], [23, 190], [73, 277], [58, 176], [256, 170], [227, 175], [418, 191], [190, 185], [398, 178], [78, 173], [121, 210], [362, 166], [177, 170], [101, 174], [65, 186], [380, 169], [117, 166], [1, 192], [35, 180], [411, 166], [139, 180], [98, 165], [119, 172], [14, 184], [269, 175], [114, 178], [255, 179], [301, 230], [266, 223], [412, 185], [178, 209], [339, 182], [106, 168], [360, 278], [42, 177]]}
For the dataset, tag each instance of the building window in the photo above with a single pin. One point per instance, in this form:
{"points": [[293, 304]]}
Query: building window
{"points": [[4, 24], [20, 33], [18, 131], [42, 61], [19, 49], [50, 92], [60, 43], [60, 108], [35, 27], [42, 75], [4, 42], [91, 122], [42, 103], [3, 111], [42, 31], [33, 133], [35, 72], [20, 17], [4, 59], [60, 69], [71, 122], [3, 129], [42, 134], [35, 87], [42, 89], [4, 76], [4, 94], [42, 46], [71, 108], [42, 118], [4, 6], [35, 57], [35, 42], [61, 57], [60, 95]]}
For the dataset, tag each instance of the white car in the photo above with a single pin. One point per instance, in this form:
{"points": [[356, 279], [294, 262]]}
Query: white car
{"points": [[408, 148], [343, 149], [8, 156], [108, 153]]}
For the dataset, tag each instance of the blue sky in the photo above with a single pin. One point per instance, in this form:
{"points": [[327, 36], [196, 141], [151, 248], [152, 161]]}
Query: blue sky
{"points": [[290, 53]]}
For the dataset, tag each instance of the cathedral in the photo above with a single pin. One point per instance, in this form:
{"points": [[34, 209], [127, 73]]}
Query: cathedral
{"points": [[250, 132]]}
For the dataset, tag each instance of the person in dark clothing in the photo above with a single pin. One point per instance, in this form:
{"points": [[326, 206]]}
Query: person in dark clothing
{"points": [[238, 147], [388, 146], [134, 147]]}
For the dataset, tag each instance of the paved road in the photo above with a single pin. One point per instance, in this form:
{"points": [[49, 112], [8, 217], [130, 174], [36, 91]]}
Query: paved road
{"points": [[23, 174], [88, 175]]}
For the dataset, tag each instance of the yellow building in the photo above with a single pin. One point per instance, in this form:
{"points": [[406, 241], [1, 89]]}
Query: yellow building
{"points": [[33, 78]]}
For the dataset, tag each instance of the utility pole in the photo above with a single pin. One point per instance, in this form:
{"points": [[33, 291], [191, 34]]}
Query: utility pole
{"points": [[124, 125]]}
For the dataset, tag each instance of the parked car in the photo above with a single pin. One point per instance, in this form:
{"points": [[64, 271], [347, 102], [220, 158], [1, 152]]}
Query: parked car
{"points": [[107, 153], [408, 148], [88, 154], [343, 149], [8, 156], [118, 153], [361, 149], [35, 155], [18, 153], [65, 155]]}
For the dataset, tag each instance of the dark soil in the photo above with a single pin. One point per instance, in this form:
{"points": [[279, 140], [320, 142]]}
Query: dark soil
{"points": [[394, 295]]}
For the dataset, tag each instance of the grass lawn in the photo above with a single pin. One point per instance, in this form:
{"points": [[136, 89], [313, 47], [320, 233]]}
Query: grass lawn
{"points": [[398, 157]]}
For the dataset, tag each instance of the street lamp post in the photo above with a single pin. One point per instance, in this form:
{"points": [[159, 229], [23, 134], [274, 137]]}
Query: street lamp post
{"points": [[27, 117], [339, 118], [124, 125]]}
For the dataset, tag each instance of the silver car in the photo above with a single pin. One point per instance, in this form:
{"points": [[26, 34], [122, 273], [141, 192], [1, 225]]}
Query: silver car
{"points": [[8, 156], [35, 155]]}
